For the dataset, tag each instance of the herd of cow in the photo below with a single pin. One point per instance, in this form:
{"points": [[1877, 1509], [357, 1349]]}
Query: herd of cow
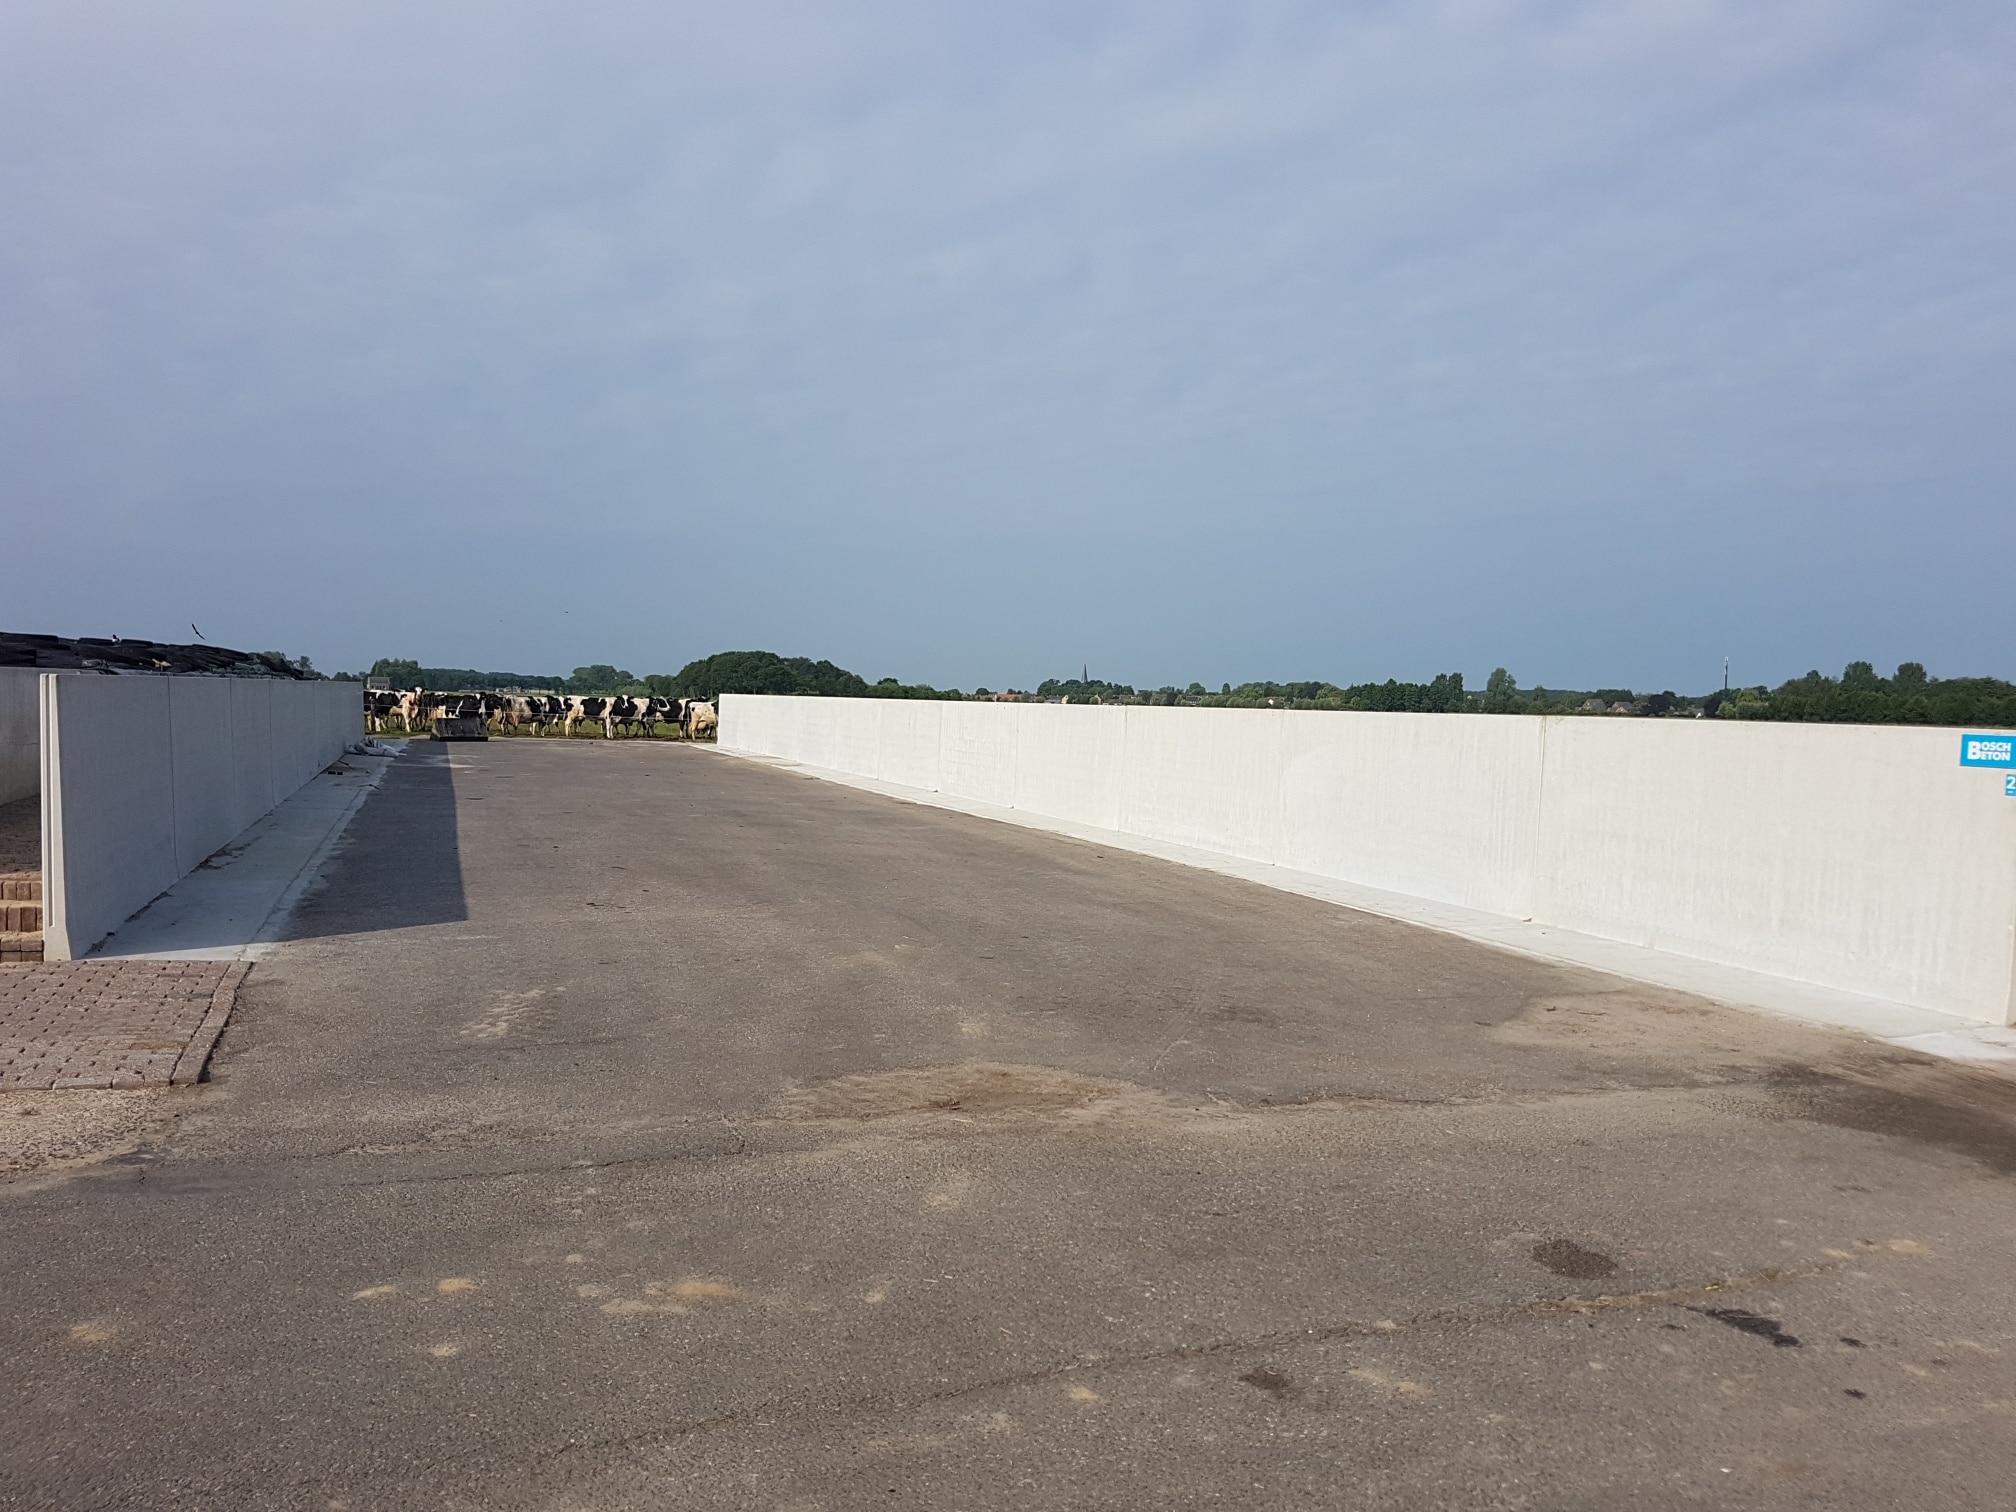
{"points": [[416, 709]]}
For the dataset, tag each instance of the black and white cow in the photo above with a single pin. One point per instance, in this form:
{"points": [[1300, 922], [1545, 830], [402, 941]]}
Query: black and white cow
{"points": [[593, 707], [381, 706]]}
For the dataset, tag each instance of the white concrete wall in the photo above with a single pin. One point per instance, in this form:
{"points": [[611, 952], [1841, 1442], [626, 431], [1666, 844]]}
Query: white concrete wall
{"points": [[1862, 858], [20, 738], [145, 777]]}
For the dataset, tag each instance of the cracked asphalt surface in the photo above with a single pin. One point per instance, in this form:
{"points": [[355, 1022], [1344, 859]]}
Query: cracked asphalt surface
{"points": [[630, 1126]]}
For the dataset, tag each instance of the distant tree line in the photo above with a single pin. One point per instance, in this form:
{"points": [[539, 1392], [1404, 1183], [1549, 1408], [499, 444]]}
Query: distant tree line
{"points": [[767, 672], [1444, 695], [410, 674], [1858, 696], [727, 672]]}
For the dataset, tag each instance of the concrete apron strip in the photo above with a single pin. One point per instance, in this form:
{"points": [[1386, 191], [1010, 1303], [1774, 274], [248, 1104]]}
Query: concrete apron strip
{"points": [[236, 904], [1924, 1029]]}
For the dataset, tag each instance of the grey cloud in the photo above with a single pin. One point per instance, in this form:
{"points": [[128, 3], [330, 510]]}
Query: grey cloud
{"points": [[1199, 341]]}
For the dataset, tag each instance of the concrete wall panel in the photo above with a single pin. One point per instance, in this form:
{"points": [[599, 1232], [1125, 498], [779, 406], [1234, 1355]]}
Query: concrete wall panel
{"points": [[1863, 858], [255, 752], [976, 753], [201, 738], [20, 733], [908, 739], [145, 777], [1436, 806], [1069, 761], [108, 799], [1859, 857], [1205, 782]]}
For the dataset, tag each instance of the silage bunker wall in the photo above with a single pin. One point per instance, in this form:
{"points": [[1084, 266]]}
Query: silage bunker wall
{"points": [[1862, 858], [145, 777]]}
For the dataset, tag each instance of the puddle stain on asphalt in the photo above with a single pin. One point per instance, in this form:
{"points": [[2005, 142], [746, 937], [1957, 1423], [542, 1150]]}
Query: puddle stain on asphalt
{"points": [[1755, 1324], [1953, 1107], [1565, 1257], [1275, 1384]]}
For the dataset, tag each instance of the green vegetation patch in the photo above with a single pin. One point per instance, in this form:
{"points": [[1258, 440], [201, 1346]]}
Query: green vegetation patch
{"points": [[1858, 696]]}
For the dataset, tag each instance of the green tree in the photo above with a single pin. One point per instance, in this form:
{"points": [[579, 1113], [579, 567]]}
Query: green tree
{"points": [[1084, 690], [600, 678], [764, 672], [1501, 693], [888, 687], [1861, 696]]}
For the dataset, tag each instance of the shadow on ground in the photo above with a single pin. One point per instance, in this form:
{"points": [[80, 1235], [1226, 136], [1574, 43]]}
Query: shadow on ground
{"points": [[399, 864]]}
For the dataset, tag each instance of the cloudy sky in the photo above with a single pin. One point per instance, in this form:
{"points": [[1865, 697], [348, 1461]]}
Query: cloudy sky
{"points": [[973, 344]]}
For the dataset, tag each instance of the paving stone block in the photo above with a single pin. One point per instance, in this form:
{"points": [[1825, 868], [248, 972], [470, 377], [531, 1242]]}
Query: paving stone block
{"points": [[110, 1023]]}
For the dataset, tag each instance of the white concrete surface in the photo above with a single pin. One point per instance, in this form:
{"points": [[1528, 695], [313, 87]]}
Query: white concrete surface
{"points": [[144, 778], [235, 906], [20, 733], [1852, 874]]}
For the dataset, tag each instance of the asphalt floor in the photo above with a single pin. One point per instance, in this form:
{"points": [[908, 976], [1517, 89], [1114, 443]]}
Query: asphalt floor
{"points": [[631, 1126]]}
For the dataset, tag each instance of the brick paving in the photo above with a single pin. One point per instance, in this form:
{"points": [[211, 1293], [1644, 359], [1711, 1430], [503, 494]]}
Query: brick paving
{"points": [[111, 1023], [20, 916], [21, 880]]}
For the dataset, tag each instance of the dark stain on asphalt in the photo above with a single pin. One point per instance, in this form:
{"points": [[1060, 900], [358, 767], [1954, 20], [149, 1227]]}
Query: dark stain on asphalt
{"points": [[1275, 1384], [1565, 1257], [1959, 1108], [1755, 1324]]}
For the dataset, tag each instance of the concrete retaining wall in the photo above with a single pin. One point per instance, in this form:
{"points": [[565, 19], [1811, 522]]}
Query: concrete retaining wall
{"points": [[20, 738], [145, 777], [1854, 857]]}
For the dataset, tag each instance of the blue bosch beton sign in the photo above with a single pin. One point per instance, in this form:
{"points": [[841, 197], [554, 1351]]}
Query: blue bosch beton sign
{"points": [[1988, 751]]}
